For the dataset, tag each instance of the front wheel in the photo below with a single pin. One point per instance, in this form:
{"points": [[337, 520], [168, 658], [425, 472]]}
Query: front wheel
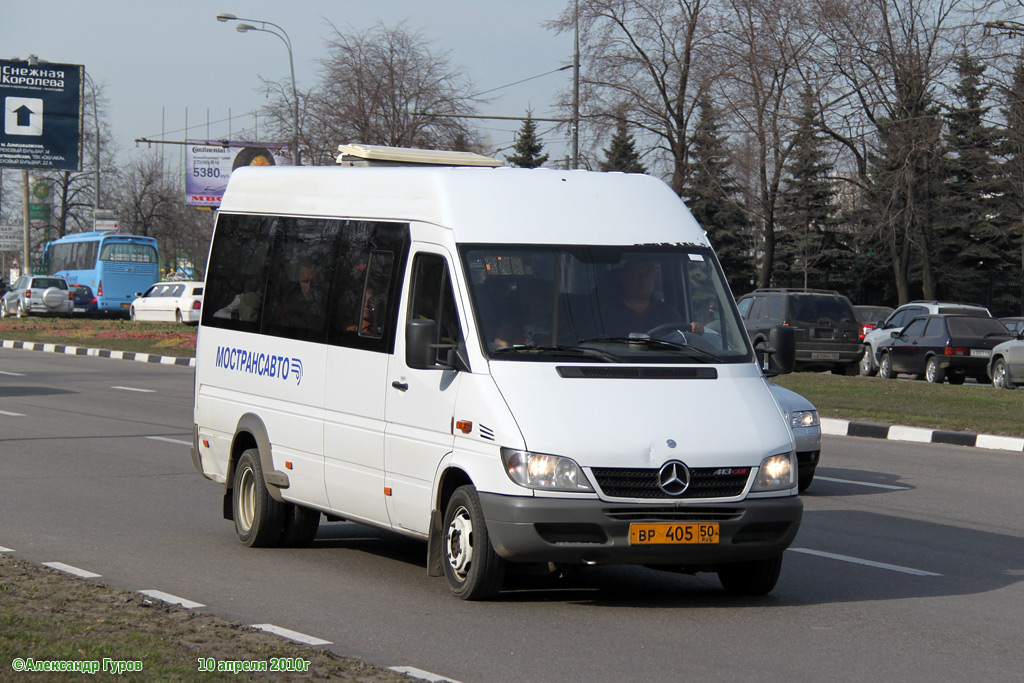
{"points": [[867, 365], [757, 577], [131, 313], [259, 519], [1001, 376], [933, 373], [474, 571], [3, 310]]}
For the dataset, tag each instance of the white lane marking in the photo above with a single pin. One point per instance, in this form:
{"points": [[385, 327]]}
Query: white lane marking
{"points": [[4, 412], [868, 563], [421, 674], [164, 438], [172, 599], [291, 635], [60, 566], [12, 374], [144, 391], [864, 483], [6, 550]]}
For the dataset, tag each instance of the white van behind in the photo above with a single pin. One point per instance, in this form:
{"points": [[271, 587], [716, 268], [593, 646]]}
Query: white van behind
{"points": [[457, 354]]}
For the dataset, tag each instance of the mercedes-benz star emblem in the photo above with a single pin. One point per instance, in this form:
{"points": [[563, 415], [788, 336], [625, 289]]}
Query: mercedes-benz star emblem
{"points": [[674, 478]]}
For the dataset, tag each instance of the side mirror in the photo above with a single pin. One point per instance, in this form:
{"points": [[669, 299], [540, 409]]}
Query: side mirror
{"points": [[780, 356], [419, 340], [895, 334]]}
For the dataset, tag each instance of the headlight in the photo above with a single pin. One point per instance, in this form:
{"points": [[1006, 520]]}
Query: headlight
{"points": [[776, 473], [804, 418], [539, 471]]}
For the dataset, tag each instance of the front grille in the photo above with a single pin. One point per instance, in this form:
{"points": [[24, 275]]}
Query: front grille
{"points": [[630, 372], [705, 482], [673, 514]]}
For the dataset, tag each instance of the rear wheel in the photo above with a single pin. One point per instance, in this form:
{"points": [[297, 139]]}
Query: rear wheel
{"points": [[933, 373], [259, 519], [956, 379], [751, 578], [177, 316], [3, 309], [474, 571], [22, 310], [885, 367], [1001, 375]]}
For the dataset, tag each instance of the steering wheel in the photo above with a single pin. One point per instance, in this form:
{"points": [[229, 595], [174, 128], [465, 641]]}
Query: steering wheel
{"points": [[673, 332]]}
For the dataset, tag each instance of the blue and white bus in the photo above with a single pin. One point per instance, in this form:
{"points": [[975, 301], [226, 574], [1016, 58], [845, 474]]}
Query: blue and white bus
{"points": [[115, 266]]}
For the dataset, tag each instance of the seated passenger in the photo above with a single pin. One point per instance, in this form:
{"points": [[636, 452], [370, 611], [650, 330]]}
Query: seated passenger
{"points": [[634, 309], [526, 321]]}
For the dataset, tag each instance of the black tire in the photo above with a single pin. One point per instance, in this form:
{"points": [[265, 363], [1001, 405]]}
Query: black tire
{"points": [[866, 367], [933, 373], [131, 314], [474, 571], [848, 370], [757, 577], [259, 519], [956, 379], [300, 527], [177, 316], [885, 367], [1001, 375]]}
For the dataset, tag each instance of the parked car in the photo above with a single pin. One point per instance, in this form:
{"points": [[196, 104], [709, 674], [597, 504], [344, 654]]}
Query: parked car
{"points": [[803, 420], [1014, 324], [1006, 366], [870, 316], [85, 301], [937, 347], [37, 294], [178, 301], [827, 331], [901, 317]]}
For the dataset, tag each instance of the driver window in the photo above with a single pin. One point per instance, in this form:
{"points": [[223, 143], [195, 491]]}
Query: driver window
{"points": [[433, 299]]}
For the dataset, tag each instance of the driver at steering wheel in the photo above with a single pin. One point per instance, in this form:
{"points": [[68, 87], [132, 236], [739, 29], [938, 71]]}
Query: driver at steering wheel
{"points": [[636, 309]]}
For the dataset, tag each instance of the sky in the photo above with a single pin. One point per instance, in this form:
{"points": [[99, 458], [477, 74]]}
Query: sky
{"points": [[162, 64]]}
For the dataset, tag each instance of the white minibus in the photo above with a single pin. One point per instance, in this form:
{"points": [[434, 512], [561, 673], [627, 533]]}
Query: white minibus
{"points": [[529, 369]]}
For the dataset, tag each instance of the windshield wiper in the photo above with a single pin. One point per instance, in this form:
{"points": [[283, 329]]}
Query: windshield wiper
{"points": [[651, 342], [560, 349]]}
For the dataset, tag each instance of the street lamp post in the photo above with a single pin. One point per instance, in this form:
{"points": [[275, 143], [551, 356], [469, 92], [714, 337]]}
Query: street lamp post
{"points": [[283, 35]]}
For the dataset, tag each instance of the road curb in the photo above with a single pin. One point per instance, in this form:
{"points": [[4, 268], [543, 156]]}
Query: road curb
{"points": [[99, 353], [830, 426], [872, 430]]}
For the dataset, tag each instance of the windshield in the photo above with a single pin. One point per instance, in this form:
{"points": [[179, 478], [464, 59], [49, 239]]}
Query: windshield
{"points": [[662, 304]]}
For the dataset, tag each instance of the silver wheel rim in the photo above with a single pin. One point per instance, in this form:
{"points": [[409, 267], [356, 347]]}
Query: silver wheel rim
{"points": [[999, 376], [246, 499], [865, 363], [883, 369], [929, 372], [459, 543]]}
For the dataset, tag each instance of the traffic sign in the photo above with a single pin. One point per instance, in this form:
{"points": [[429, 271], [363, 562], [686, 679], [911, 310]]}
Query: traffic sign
{"points": [[11, 237]]}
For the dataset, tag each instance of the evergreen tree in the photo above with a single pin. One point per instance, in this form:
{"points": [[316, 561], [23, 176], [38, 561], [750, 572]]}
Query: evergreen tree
{"points": [[712, 196], [970, 234], [807, 203], [621, 154], [1013, 166], [528, 147]]}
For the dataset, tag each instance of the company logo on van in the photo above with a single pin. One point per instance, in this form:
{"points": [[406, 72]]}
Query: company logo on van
{"points": [[262, 364]]}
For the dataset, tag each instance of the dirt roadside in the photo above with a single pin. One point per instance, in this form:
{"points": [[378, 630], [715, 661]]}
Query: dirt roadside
{"points": [[49, 618]]}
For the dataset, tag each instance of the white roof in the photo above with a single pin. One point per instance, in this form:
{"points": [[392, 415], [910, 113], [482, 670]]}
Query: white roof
{"points": [[508, 205]]}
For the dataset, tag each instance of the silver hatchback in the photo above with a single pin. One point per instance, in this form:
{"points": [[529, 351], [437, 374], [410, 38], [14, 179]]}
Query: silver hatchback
{"points": [[37, 294]]}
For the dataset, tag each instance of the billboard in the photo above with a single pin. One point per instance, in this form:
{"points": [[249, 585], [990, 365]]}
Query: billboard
{"points": [[42, 115], [208, 164]]}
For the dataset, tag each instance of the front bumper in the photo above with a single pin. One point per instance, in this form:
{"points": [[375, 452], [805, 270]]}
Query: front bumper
{"points": [[592, 531]]}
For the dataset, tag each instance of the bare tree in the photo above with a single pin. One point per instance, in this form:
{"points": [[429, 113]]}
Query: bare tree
{"points": [[386, 86], [148, 196]]}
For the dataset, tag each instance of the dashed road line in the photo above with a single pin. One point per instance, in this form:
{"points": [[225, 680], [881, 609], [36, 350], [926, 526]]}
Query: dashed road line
{"points": [[864, 483], [9, 414], [169, 440], [172, 599], [6, 550], [291, 635], [421, 674], [12, 374], [867, 563], [141, 391], [60, 566]]}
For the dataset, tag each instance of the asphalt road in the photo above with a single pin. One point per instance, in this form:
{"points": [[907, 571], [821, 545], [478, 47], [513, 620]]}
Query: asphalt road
{"points": [[908, 565]]}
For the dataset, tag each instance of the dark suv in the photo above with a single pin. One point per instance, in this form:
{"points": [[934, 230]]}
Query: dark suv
{"points": [[827, 331]]}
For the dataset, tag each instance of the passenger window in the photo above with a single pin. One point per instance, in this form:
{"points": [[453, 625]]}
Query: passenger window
{"points": [[237, 276], [775, 308], [433, 299], [916, 328], [744, 307]]}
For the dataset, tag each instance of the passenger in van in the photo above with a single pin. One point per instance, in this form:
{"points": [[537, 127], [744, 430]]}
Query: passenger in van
{"points": [[634, 308], [244, 307], [305, 304]]}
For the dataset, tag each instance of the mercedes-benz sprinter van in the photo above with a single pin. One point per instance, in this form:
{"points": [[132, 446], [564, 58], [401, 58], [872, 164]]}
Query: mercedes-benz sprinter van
{"points": [[526, 368]]}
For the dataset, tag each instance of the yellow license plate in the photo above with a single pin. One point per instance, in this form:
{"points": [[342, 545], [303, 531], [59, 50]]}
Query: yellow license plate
{"points": [[652, 534]]}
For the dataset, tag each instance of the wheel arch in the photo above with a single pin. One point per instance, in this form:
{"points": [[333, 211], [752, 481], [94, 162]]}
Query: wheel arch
{"points": [[251, 432], [450, 479]]}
